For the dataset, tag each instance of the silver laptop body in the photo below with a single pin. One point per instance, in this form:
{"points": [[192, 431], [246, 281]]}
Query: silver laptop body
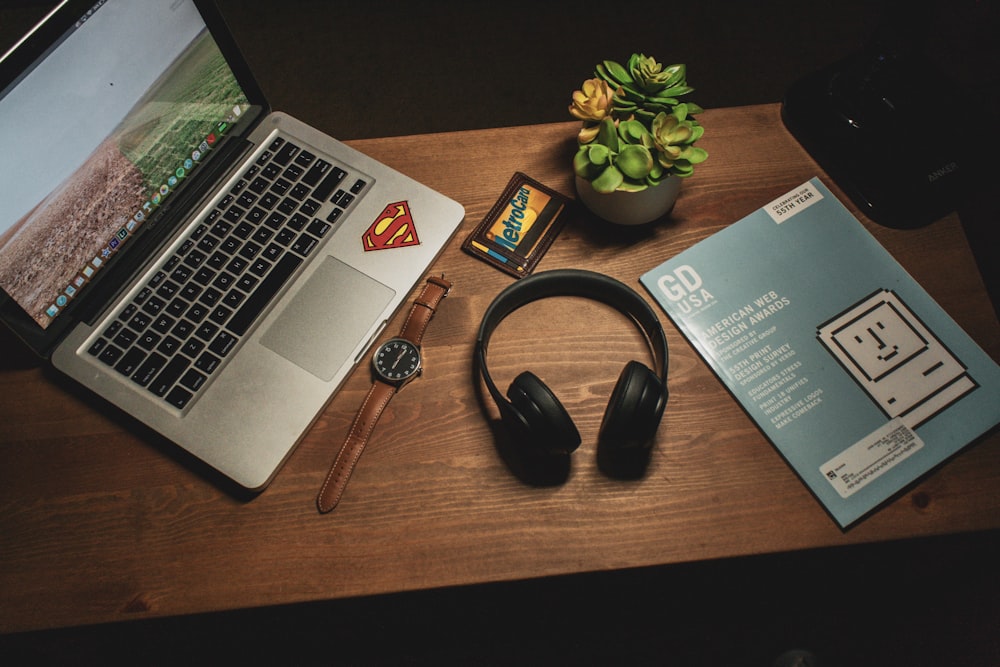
{"points": [[228, 346]]}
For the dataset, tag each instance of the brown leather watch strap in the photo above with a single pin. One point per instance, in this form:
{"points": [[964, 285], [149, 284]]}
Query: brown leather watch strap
{"points": [[364, 423], [378, 397], [423, 309]]}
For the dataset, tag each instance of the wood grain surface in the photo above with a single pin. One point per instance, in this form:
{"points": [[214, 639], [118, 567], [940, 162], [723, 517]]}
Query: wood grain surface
{"points": [[101, 521]]}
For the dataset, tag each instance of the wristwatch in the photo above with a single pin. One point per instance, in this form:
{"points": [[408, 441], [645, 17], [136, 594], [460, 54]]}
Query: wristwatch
{"points": [[395, 363]]}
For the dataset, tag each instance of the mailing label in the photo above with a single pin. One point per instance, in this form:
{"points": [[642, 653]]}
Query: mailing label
{"points": [[871, 457]]}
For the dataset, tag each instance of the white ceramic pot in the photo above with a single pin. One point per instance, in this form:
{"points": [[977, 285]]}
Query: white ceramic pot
{"points": [[630, 208]]}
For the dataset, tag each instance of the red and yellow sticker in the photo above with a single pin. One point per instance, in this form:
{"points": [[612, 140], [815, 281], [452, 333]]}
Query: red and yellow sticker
{"points": [[393, 228]]}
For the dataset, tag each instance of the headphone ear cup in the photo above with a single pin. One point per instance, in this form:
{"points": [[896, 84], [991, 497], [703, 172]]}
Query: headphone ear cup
{"points": [[546, 424], [634, 410]]}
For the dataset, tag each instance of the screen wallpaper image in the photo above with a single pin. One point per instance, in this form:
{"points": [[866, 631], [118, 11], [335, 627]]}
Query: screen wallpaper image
{"points": [[93, 169]]}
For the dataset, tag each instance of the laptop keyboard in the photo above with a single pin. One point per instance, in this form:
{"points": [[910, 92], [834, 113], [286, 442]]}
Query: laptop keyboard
{"points": [[182, 325]]}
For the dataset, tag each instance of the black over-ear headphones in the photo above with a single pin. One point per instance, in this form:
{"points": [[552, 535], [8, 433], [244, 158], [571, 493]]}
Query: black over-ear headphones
{"points": [[534, 416]]}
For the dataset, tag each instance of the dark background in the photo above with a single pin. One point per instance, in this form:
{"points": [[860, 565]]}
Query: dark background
{"points": [[386, 68]]}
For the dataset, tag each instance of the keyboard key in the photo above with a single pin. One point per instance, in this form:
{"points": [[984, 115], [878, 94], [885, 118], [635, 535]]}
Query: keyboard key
{"points": [[285, 155], [193, 348], [177, 307], [280, 186], [153, 305], [149, 368], [304, 158], [162, 324], [179, 397], [220, 314], [316, 172], [259, 185], [260, 267], [268, 287], [246, 282], [110, 355], [206, 331], [272, 252], [193, 380], [256, 215], [318, 228], [233, 299], [304, 244], [169, 375], [130, 361], [167, 289], [169, 346], [269, 200], [207, 363], [139, 322], [125, 338], [223, 344], [148, 340], [332, 180]]}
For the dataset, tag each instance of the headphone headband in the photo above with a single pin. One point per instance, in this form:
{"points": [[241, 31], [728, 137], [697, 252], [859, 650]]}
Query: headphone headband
{"points": [[572, 282]]}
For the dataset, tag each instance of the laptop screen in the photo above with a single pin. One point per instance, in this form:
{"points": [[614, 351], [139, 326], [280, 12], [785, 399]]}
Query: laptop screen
{"points": [[97, 134]]}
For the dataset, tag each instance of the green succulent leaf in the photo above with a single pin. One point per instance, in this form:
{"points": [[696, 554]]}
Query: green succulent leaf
{"points": [[631, 93], [607, 135], [683, 169], [677, 74], [582, 164], [616, 72], [660, 104], [695, 155], [625, 109], [632, 131], [656, 174], [608, 181], [635, 161], [675, 91], [598, 154], [630, 186]]}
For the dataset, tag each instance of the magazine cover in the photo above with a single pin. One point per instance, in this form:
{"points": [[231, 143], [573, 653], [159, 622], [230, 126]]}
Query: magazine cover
{"points": [[847, 365]]}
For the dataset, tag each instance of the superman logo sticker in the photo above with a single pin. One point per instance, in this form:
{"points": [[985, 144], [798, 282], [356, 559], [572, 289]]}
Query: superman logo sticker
{"points": [[393, 228]]}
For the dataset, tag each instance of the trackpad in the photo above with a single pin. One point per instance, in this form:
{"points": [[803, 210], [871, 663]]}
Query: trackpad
{"points": [[321, 326]]}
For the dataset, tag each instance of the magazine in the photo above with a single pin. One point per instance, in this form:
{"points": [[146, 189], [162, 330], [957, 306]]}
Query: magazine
{"points": [[853, 372]]}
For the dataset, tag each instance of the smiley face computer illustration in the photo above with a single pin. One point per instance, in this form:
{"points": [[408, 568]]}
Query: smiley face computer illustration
{"points": [[905, 369]]}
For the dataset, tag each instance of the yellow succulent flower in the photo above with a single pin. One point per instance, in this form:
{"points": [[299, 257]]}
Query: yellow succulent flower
{"points": [[671, 136], [593, 101]]}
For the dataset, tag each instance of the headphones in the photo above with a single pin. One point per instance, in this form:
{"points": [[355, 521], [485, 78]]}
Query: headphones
{"points": [[532, 414]]}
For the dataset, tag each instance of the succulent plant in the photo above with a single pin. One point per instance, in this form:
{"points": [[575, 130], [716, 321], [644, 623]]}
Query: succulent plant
{"points": [[635, 131]]}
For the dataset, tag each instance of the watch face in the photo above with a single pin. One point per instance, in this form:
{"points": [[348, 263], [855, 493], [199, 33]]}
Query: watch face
{"points": [[397, 359]]}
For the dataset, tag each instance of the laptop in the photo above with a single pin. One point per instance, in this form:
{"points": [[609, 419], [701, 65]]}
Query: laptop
{"points": [[210, 267]]}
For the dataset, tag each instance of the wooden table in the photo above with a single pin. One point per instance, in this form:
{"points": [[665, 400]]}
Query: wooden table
{"points": [[100, 521]]}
